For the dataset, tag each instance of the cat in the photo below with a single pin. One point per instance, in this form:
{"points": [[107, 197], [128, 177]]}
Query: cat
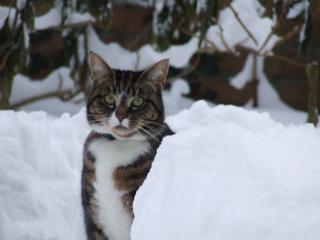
{"points": [[126, 114]]}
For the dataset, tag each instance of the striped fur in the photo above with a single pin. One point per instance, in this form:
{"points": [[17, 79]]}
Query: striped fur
{"points": [[145, 126]]}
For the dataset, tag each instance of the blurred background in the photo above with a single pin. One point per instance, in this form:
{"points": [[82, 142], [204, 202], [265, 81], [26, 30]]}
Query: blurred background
{"points": [[259, 54]]}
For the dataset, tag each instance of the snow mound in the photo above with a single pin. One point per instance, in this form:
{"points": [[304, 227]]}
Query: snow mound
{"points": [[229, 173], [40, 166]]}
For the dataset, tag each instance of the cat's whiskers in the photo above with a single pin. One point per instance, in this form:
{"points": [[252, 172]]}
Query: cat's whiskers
{"points": [[98, 121], [148, 122], [158, 124], [152, 150], [101, 120], [156, 132], [150, 130], [149, 134], [95, 114]]}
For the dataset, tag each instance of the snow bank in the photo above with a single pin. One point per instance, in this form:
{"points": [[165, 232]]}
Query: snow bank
{"points": [[230, 173], [40, 164]]}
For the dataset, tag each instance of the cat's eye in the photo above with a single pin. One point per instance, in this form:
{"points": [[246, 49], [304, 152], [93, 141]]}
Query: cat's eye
{"points": [[109, 99], [137, 102]]}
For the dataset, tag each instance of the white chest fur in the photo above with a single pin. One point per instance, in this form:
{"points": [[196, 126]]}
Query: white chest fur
{"points": [[115, 220]]}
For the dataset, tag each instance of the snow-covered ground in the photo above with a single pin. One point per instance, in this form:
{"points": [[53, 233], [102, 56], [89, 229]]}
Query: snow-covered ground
{"points": [[40, 164], [231, 174], [228, 173]]}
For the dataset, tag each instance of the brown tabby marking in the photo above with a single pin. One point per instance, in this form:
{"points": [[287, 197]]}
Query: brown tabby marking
{"points": [[128, 178], [145, 123]]}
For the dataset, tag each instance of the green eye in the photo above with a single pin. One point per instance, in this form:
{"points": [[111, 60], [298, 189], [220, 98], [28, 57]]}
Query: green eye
{"points": [[137, 102], [110, 100]]}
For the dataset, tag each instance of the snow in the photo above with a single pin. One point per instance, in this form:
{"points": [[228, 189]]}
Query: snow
{"points": [[24, 88], [113, 53], [302, 34], [173, 99], [3, 15], [35, 87], [40, 159], [253, 178], [75, 17], [53, 18], [21, 4], [250, 12], [268, 99], [50, 19], [229, 173], [7, 12], [297, 9], [267, 96]]}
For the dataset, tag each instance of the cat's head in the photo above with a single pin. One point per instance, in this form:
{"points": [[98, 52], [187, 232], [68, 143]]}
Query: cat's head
{"points": [[126, 104]]}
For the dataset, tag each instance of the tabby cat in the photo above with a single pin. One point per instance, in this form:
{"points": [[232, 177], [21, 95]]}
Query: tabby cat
{"points": [[126, 115]]}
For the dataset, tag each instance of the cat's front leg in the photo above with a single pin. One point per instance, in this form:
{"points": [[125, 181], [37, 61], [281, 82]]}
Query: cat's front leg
{"points": [[130, 178], [127, 200]]}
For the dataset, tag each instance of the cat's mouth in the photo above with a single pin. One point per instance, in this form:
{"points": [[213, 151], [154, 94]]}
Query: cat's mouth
{"points": [[123, 131], [120, 127]]}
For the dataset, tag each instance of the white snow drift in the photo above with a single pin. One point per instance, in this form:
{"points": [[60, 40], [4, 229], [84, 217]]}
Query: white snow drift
{"points": [[227, 173], [231, 174], [40, 164]]}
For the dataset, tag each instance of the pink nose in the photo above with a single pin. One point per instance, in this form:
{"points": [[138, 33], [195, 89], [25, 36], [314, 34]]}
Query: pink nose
{"points": [[120, 116], [121, 113]]}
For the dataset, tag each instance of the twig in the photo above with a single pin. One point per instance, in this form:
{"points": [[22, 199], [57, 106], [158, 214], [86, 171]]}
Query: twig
{"points": [[223, 40], [265, 54], [265, 42], [11, 46], [235, 13], [37, 98], [289, 35], [206, 40], [5, 58], [63, 95]]}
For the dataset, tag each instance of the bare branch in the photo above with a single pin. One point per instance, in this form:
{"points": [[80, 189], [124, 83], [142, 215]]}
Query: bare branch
{"points": [[63, 95], [265, 42], [271, 55], [235, 13], [290, 34], [223, 39]]}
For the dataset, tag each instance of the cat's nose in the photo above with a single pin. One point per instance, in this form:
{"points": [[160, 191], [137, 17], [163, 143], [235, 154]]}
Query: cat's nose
{"points": [[121, 114]]}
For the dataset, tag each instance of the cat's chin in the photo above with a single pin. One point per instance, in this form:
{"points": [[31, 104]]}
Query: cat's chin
{"points": [[119, 132], [124, 133]]}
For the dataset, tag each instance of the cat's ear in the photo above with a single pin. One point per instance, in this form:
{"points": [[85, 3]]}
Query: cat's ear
{"points": [[100, 70], [157, 73]]}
